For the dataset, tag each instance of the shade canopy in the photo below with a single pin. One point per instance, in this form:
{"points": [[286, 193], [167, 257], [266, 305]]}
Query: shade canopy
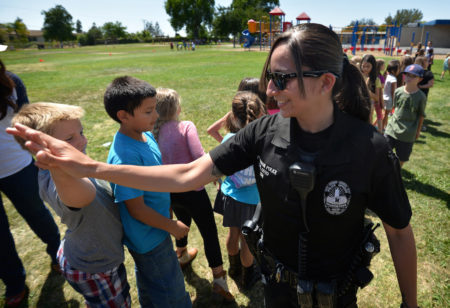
{"points": [[276, 12], [303, 16]]}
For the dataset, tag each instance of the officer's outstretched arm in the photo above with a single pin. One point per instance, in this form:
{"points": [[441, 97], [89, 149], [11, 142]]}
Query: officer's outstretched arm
{"points": [[403, 251]]}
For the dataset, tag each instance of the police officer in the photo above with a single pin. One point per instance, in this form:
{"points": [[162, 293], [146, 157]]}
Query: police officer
{"points": [[313, 228]]}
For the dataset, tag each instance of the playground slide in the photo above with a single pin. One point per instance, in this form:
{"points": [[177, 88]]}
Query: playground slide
{"points": [[249, 40]]}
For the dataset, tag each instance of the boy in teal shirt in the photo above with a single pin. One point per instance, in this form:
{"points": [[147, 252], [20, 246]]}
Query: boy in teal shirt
{"points": [[409, 102], [145, 215]]}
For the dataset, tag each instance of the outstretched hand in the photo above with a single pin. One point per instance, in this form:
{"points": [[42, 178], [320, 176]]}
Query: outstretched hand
{"points": [[53, 153]]}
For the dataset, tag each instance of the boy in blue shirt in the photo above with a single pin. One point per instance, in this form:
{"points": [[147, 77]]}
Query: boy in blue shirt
{"points": [[145, 215]]}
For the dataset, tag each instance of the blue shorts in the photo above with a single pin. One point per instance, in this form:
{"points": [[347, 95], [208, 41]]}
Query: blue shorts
{"points": [[159, 279]]}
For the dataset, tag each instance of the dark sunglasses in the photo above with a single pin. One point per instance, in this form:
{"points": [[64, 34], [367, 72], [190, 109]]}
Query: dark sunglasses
{"points": [[279, 79]]}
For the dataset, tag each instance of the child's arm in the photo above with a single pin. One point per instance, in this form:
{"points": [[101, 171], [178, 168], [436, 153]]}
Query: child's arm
{"points": [[73, 192], [428, 85], [213, 130], [419, 127], [138, 210], [393, 88], [379, 95]]}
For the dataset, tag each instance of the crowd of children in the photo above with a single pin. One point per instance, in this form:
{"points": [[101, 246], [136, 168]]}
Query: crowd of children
{"points": [[150, 133]]}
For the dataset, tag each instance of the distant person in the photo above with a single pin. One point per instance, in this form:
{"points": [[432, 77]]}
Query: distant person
{"points": [[179, 143], [404, 62], [145, 214], [381, 70], [247, 84], [427, 81], [390, 85], [369, 71], [429, 53], [405, 124], [238, 195], [171, 45], [193, 46], [91, 255], [445, 66], [19, 183]]}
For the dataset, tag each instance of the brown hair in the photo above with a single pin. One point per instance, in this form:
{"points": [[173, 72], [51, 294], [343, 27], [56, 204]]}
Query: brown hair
{"points": [[6, 90], [245, 108], [319, 48]]}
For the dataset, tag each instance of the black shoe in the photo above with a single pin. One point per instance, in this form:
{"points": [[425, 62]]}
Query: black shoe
{"points": [[250, 275], [235, 266]]}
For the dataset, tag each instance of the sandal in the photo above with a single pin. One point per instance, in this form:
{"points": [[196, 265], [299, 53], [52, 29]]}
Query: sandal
{"points": [[187, 256]]}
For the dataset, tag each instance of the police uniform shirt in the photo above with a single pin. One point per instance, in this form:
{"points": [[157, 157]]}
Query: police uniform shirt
{"points": [[355, 170]]}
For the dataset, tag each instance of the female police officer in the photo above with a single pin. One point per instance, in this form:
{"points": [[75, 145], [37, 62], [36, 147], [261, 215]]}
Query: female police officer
{"points": [[322, 126]]}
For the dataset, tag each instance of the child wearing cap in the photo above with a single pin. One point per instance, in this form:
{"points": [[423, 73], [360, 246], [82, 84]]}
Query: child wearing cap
{"points": [[404, 126]]}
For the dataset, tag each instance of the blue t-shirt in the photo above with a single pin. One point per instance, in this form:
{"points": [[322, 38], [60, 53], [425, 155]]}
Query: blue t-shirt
{"points": [[241, 186], [139, 237]]}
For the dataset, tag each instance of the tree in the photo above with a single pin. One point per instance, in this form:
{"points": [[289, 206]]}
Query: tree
{"points": [[158, 31], [78, 27], [404, 17], [114, 30], [233, 19], [192, 14], [58, 24], [362, 22]]}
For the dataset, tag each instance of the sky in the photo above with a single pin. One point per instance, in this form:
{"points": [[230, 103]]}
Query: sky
{"points": [[132, 13]]}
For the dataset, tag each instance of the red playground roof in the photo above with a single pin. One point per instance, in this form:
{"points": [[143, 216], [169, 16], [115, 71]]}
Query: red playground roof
{"points": [[277, 12], [303, 16]]}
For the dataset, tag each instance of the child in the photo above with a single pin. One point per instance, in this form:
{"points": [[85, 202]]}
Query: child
{"points": [[404, 126], [390, 86], [179, 143], [356, 61], [369, 70], [145, 215], [91, 254], [246, 84], [430, 56], [404, 62], [445, 66], [427, 81], [238, 195], [381, 71]]}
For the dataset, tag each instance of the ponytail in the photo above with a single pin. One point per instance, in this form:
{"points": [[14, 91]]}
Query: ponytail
{"points": [[6, 90], [351, 93], [167, 103]]}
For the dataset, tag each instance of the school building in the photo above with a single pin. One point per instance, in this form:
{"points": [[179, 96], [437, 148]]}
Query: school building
{"points": [[438, 31]]}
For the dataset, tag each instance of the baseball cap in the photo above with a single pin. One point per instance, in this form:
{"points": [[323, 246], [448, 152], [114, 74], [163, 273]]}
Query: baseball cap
{"points": [[3, 47], [414, 69]]}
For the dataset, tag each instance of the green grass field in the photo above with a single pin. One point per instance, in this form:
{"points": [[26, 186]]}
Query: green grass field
{"points": [[207, 80]]}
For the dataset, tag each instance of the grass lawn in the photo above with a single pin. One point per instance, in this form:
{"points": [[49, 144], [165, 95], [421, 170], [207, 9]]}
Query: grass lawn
{"points": [[207, 80]]}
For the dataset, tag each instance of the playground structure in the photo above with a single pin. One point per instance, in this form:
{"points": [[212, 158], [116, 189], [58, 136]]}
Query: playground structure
{"points": [[383, 38], [267, 31]]}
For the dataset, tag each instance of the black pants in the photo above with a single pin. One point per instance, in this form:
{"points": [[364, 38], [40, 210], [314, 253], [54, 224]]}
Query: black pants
{"points": [[283, 295], [196, 205]]}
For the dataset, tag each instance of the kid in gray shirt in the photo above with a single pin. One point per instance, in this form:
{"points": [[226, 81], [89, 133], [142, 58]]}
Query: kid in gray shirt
{"points": [[91, 254]]}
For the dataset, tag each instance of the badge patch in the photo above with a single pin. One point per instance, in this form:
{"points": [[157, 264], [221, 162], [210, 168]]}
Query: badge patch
{"points": [[336, 197]]}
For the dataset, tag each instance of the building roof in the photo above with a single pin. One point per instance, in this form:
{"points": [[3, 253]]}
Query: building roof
{"points": [[303, 16], [437, 22], [277, 12]]}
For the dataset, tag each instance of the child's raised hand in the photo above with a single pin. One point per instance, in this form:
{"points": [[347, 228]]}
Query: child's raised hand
{"points": [[179, 230]]}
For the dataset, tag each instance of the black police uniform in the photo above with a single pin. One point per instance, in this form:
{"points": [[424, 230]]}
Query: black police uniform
{"points": [[355, 170]]}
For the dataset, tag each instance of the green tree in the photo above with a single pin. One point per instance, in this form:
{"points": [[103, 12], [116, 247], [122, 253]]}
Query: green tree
{"points": [[192, 14], [404, 17], [114, 31], [78, 27], [233, 19], [58, 24]]}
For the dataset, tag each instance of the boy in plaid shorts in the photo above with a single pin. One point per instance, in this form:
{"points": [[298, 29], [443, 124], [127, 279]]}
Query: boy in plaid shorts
{"points": [[91, 254]]}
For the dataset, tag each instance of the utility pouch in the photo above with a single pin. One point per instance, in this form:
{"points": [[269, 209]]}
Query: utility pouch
{"points": [[325, 294], [304, 293]]}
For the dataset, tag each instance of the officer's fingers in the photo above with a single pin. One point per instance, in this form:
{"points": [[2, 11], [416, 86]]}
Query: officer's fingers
{"points": [[34, 147]]}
